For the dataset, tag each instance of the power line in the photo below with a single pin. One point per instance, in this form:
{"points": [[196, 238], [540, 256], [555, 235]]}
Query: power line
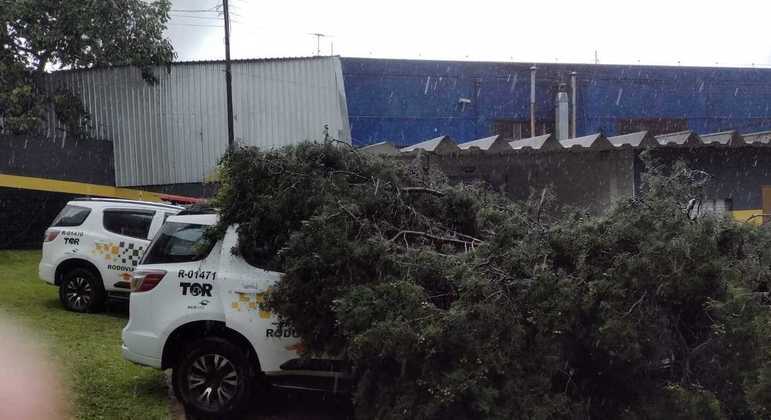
{"points": [[194, 24], [197, 17], [194, 10]]}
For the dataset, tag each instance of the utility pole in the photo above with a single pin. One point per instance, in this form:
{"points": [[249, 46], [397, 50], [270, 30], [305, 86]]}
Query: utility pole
{"points": [[228, 76]]}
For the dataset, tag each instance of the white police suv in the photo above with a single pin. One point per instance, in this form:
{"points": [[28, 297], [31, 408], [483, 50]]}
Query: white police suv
{"points": [[195, 308], [93, 246]]}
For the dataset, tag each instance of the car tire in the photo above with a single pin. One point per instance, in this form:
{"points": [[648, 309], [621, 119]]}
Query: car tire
{"points": [[213, 379], [81, 290]]}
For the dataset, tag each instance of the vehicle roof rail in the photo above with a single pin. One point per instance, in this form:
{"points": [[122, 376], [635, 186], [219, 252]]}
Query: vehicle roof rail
{"points": [[197, 209], [119, 200]]}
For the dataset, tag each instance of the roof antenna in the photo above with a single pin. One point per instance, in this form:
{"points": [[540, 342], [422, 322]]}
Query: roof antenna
{"points": [[318, 42], [596, 57]]}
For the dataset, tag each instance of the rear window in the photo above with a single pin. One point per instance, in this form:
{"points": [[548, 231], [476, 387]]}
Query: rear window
{"points": [[179, 242], [134, 223], [71, 216]]}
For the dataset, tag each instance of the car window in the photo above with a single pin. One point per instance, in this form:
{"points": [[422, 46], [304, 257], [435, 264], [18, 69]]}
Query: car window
{"points": [[71, 216], [134, 223], [179, 242]]}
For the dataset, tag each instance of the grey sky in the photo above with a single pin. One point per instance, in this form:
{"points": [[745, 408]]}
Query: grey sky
{"points": [[690, 32]]}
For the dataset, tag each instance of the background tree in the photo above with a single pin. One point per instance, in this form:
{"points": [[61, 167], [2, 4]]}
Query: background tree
{"points": [[37, 36]]}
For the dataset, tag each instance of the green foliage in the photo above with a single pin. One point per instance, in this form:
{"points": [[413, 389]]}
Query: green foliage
{"points": [[20, 108], [39, 35], [453, 302]]}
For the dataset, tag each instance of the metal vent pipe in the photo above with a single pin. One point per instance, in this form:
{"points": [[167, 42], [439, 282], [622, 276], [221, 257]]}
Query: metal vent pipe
{"points": [[532, 100], [573, 105]]}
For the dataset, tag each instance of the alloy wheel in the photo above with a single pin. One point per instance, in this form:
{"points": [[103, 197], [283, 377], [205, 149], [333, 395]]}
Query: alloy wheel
{"points": [[212, 381], [79, 292]]}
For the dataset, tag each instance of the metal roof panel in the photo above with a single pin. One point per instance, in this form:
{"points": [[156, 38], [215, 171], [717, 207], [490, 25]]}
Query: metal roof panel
{"points": [[544, 142], [638, 139], [595, 141], [724, 138], [442, 144], [681, 138], [492, 144]]}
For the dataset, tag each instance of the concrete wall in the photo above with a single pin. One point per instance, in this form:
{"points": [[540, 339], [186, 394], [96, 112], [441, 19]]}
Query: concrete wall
{"points": [[737, 174], [71, 160], [25, 214], [593, 180], [590, 180]]}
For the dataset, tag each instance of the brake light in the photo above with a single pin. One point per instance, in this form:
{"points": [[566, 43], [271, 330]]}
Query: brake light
{"points": [[144, 280], [50, 235]]}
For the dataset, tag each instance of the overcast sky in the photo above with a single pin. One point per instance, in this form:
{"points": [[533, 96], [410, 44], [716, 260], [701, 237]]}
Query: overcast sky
{"points": [[668, 32]]}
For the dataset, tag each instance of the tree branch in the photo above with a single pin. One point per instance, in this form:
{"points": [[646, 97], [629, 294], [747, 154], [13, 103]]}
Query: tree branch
{"points": [[430, 236], [422, 190], [634, 305]]}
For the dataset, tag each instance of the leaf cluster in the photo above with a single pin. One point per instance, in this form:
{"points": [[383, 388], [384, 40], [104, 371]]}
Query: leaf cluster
{"points": [[39, 35]]}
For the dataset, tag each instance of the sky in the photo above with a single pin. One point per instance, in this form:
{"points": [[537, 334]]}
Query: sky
{"points": [[656, 32]]}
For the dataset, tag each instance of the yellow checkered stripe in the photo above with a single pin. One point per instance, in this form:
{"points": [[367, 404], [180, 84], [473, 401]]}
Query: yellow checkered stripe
{"points": [[250, 302]]}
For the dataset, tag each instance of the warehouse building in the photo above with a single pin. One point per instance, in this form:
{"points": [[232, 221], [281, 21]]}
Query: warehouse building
{"points": [[174, 132], [407, 101]]}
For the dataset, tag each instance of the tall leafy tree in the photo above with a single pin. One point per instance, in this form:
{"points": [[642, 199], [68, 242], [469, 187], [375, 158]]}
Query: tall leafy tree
{"points": [[37, 36]]}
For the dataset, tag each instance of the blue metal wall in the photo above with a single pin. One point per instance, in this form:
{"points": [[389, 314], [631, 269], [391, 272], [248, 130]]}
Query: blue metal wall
{"points": [[406, 101]]}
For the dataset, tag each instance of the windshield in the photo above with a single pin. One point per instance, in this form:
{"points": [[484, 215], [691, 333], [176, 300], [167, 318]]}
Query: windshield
{"points": [[179, 242]]}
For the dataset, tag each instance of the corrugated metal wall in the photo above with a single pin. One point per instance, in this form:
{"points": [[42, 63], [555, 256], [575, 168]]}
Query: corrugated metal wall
{"points": [[408, 101], [175, 131]]}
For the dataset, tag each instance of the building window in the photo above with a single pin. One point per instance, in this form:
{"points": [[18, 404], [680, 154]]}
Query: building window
{"points": [[655, 126], [517, 129]]}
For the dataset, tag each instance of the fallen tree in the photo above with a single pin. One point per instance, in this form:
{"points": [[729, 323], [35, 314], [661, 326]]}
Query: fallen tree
{"points": [[452, 301]]}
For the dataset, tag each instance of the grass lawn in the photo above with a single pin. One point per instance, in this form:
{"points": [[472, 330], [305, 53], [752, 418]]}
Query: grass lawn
{"points": [[86, 346]]}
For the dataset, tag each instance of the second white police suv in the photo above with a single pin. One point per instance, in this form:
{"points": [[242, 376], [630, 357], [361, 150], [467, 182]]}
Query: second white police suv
{"points": [[195, 308]]}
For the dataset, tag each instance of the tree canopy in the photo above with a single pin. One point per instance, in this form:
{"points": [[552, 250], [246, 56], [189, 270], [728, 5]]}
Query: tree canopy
{"points": [[42, 35], [452, 301]]}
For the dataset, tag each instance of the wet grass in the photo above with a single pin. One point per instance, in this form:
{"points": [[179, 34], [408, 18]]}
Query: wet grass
{"points": [[86, 347]]}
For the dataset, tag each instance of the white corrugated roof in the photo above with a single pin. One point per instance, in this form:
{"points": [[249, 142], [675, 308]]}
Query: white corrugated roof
{"points": [[638, 139], [437, 144], [593, 141], [546, 141], [680, 138], [491, 143], [726, 138]]}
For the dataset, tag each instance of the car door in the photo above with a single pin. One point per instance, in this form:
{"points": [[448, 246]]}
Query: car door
{"points": [[120, 248], [245, 287]]}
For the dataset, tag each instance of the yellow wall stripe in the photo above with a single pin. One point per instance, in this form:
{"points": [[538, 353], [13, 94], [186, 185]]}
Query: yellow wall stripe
{"points": [[77, 188], [744, 215]]}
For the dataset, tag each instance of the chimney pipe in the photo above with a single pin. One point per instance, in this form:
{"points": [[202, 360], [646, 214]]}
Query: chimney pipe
{"points": [[573, 104], [561, 118], [532, 100]]}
